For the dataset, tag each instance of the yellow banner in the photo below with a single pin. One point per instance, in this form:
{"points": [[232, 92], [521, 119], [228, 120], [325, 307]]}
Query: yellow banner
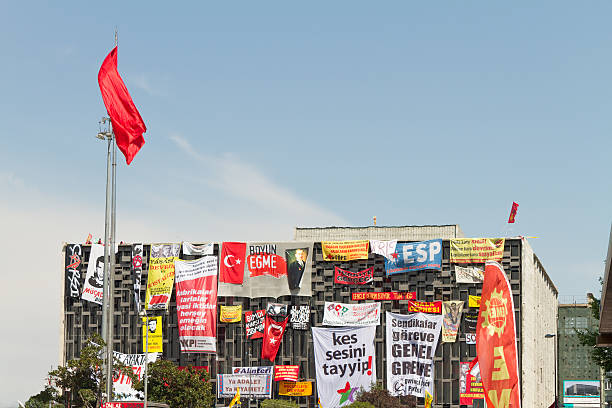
{"points": [[476, 250], [156, 339], [474, 301], [231, 314], [345, 250], [160, 282], [295, 389]]}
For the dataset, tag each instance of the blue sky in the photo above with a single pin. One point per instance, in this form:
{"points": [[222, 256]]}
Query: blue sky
{"points": [[263, 116]]}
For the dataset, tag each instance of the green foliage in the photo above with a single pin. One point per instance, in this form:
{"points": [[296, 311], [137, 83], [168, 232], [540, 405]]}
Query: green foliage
{"points": [[602, 356], [42, 399], [360, 404], [278, 404], [84, 377], [379, 397], [178, 388]]}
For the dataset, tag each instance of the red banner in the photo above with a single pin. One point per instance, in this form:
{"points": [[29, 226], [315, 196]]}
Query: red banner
{"points": [[286, 372], [196, 304], [383, 296], [424, 307], [345, 277], [273, 334], [496, 340], [266, 264], [513, 213], [254, 323], [232, 261]]}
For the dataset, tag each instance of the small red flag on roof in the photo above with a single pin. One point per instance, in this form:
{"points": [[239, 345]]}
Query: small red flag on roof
{"points": [[128, 126], [513, 213]]}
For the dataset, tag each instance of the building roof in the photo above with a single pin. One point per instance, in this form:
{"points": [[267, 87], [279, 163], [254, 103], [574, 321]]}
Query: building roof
{"points": [[402, 233]]}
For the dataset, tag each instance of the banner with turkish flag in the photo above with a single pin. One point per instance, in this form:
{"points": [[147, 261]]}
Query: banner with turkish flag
{"points": [[513, 213], [273, 334], [496, 340], [266, 269], [232, 259], [128, 126]]}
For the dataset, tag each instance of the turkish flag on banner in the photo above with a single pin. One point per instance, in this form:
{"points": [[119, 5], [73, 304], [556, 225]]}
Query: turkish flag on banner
{"points": [[273, 334], [128, 126], [232, 262], [496, 340], [513, 213]]}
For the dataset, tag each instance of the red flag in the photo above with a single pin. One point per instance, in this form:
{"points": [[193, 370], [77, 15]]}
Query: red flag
{"points": [[232, 262], [273, 334], [496, 340], [127, 123], [513, 213]]}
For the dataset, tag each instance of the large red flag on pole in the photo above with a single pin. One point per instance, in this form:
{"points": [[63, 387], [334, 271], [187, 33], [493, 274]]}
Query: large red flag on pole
{"points": [[127, 123], [496, 340], [513, 213]]}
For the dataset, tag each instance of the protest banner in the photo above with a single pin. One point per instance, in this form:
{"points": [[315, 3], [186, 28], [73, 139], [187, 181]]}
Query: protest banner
{"points": [[202, 249], [384, 248], [496, 340], [231, 314], [469, 274], [277, 310], [120, 404], [273, 335], [269, 269], [451, 319], [345, 250], [344, 314], [254, 323], [476, 250], [286, 372], [295, 388], [345, 363], [137, 251], [122, 384], [161, 276], [411, 345], [470, 387], [470, 318], [94, 278], [424, 307], [74, 254], [473, 301], [300, 317], [196, 304], [253, 370], [383, 295], [415, 256], [156, 338], [344, 277], [251, 385]]}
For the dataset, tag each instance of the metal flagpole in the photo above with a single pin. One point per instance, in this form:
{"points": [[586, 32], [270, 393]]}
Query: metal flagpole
{"points": [[146, 359]]}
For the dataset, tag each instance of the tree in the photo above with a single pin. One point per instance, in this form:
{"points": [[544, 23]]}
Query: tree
{"points": [[84, 377], [379, 397], [188, 388], [602, 356], [42, 399]]}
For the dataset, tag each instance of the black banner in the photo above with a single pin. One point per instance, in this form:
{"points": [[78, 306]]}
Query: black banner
{"points": [[345, 277], [74, 256], [300, 317]]}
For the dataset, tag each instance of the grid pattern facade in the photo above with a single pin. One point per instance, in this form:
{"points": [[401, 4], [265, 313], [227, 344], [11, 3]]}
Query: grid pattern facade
{"points": [[82, 318]]}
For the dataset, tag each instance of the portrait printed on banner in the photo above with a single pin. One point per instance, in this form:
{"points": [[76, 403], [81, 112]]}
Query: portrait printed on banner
{"points": [[296, 262], [97, 279]]}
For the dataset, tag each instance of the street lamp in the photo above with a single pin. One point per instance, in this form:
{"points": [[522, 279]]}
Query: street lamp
{"points": [[554, 336]]}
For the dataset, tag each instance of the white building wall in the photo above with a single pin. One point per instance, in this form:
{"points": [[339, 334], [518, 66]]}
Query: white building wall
{"points": [[539, 307]]}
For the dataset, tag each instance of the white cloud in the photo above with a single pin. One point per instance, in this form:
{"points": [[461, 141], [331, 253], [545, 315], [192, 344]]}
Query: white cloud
{"points": [[142, 81]]}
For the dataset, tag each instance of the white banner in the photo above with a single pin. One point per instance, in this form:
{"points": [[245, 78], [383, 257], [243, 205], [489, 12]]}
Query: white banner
{"points": [[253, 370], [344, 314], [192, 249], [411, 345], [123, 384], [251, 385], [94, 279], [384, 248], [468, 274], [345, 363]]}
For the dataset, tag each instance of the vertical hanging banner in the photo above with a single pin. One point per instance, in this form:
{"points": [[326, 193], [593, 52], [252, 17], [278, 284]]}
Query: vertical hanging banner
{"points": [[193, 249], [268, 269], [513, 211], [94, 279], [161, 276], [254, 323], [496, 340], [344, 277], [231, 314], [232, 262], [415, 256], [476, 250], [451, 320], [156, 338], [384, 248], [300, 317], [74, 255], [469, 326], [470, 387], [411, 345], [345, 314], [273, 335], [137, 273], [345, 250], [196, 304], [470, 274], [345, 363]]}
